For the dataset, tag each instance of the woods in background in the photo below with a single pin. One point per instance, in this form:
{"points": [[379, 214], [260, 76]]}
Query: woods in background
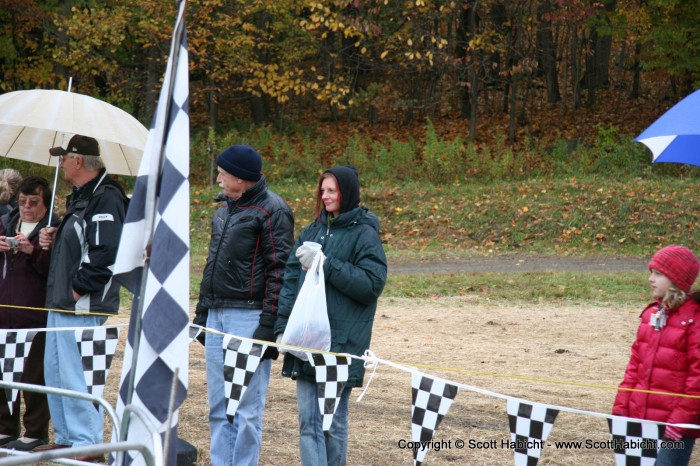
{"points": [[355, 60]]}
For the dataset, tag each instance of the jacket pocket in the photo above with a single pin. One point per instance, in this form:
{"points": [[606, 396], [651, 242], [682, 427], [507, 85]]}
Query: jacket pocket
{"points": [[339, 339], [235, 276]]}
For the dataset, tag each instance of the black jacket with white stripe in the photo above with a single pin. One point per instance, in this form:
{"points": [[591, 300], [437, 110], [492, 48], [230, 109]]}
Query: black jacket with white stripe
{"points": [[85, 249]]}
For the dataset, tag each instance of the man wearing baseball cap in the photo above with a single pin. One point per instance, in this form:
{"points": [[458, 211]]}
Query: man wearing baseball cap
{"points": [[251, 238], [80, 289]]}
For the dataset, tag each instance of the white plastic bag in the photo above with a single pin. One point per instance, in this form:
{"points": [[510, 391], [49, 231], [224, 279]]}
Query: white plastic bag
{"points": [[308, 324]]}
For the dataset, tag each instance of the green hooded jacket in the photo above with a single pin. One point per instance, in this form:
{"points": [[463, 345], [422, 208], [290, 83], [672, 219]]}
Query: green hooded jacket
{"points": [[355, 270]]}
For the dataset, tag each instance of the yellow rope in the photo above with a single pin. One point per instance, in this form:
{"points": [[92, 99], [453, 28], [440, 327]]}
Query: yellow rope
{"points": [[489, 374], [46, 309], [552, 381]]}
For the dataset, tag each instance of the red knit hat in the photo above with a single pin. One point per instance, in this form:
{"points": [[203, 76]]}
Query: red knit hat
{"points": [[678, 263]]}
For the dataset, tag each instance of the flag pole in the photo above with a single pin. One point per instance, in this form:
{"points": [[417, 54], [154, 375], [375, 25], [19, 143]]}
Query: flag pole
{"points": [[171, 409]]}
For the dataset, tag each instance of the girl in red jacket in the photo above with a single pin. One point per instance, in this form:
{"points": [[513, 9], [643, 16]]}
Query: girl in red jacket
{"points": [[666, 354]]}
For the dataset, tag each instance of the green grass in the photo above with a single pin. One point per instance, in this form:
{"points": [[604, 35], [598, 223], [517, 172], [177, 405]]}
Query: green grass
{"points": [[589, 216], [526, 287]]}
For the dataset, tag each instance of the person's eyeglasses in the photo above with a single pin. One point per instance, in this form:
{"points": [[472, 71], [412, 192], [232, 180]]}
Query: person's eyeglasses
{"points": [[62, 158], [28, 202]]}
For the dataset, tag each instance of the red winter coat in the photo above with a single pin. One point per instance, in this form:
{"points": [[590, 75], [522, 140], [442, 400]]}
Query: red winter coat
{"points": [[667, 360]]}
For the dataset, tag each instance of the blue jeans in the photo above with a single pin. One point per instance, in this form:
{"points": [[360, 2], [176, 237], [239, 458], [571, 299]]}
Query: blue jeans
{"points": [[239, 443], [676, 457], [317, 448], [75, 422]]}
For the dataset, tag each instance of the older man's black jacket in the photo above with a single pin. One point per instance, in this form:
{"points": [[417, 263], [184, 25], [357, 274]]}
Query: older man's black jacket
{"points": [[250, 241]]}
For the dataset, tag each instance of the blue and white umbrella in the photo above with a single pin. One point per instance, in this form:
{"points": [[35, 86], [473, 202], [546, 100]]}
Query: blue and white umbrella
{"points": [[675, 135]]}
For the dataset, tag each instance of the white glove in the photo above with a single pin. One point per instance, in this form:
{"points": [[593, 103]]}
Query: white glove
{"points": [[306, 255]]}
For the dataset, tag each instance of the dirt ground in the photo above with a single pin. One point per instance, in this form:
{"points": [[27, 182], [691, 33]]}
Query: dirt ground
{"points": [[571, 356]]}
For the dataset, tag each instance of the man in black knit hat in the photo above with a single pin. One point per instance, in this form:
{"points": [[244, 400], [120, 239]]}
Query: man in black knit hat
{"points": [[251, 238]]}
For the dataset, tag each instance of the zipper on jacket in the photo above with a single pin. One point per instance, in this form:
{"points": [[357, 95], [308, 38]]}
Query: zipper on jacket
{"points": [[218, 248]]}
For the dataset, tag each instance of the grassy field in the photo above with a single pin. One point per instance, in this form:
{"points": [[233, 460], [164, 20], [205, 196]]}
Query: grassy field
{"points": [[564, 217]]}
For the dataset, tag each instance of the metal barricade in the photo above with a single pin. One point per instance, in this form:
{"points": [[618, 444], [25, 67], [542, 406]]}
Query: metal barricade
{"points": [[153, 456]]}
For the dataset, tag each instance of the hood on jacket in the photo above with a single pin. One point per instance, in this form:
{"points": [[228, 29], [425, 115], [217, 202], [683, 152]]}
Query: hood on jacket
{"points": [[348, 185]]}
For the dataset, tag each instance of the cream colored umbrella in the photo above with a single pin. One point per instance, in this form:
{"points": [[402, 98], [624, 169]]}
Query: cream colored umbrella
{"points": [[33, 121]]}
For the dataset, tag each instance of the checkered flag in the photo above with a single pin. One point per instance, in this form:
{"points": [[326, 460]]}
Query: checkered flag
{"points": [[97, 346], [530, 425], [641, 439], [332, 373], [14, 348], [153, 262], [194, 332], [241, 360], [432, 398]]}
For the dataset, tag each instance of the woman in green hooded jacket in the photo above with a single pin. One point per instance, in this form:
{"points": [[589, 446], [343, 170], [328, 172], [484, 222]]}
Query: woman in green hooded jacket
{"points": [[355, 271]]}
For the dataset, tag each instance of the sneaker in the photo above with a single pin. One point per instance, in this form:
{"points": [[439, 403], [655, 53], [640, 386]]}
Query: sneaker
{"points": [[91, 458], [49, 446], [7, 439], [26, 443]]}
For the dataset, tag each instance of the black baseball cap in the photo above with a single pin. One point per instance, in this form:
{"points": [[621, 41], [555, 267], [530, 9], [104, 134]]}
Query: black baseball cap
{"points": [[83, 145]]}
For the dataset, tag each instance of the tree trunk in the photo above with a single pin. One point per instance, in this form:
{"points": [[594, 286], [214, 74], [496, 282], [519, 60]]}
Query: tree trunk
{"points": [[259, 109], [461, 49], [260, 106], [546, 52], [590, 69], [213, 103], [473, 81], [513, 115], [575, 69], [62, 40], [153, 77], [637, 68], [604, 51]]}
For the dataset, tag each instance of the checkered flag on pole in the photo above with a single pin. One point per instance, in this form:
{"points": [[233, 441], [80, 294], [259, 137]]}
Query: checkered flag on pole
{"points": [[432, 398], [634, 442], [153, 263], [332, 373], [530, 425], [241, 360], [14, 348]]}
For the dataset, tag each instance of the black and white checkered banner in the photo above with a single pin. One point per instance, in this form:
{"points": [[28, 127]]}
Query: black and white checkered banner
{"points": [[97, 347], [634, 442], [14, 348], [432, 398], [530, 425], [241, 360], [332, 373]]}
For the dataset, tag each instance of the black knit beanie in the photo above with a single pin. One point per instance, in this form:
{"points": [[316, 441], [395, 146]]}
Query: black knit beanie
{"points": [[348, 185], [241, 161]]}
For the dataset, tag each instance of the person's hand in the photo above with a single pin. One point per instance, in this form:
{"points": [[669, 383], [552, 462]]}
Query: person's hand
{"points": [[265, 333], [306, 255], [76, 296], [47, 236], [201, 313], [26, 246], [4, 247], [673, 433]]}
